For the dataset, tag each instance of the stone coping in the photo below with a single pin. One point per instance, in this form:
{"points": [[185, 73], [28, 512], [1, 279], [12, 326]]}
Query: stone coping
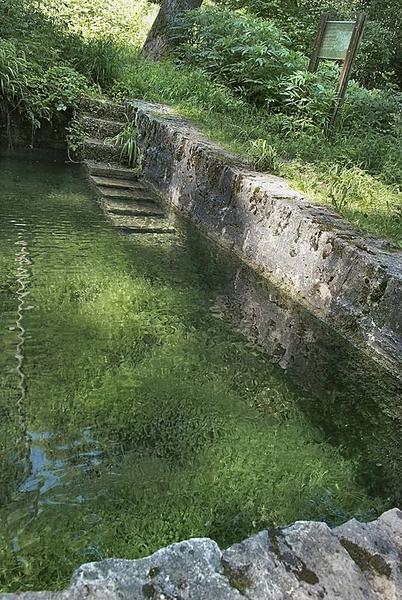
{"points": [[350, 281]]}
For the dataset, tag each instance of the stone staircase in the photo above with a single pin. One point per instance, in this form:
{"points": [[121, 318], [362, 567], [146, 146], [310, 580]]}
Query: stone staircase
{"points": [[128, 202]]}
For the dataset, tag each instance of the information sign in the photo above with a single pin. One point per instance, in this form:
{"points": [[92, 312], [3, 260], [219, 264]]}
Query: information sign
{"points": [[336, 40]]}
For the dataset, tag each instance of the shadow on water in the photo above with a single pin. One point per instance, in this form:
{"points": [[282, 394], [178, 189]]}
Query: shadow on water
{"points": [[353, 401], [150, 417]]}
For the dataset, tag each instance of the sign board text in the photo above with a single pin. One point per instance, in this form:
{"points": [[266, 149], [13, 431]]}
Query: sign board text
{"points": [[336, 40]]}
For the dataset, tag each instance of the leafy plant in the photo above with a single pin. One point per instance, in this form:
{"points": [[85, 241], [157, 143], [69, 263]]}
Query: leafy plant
{"points": [[126, 141], [263, 155], [249, 54], [75, 138], [62, 88], [308, 97]]}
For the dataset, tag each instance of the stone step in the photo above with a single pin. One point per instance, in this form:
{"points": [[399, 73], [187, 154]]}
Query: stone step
{"points": [[137, 230], [132, 206], [110, 170], [137, 211], [103, 109], [114, 182], [100, 128], [146, 222], [99, 150], [116, 193]]}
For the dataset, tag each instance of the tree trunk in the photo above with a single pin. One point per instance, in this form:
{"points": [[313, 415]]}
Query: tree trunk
{"points": [[160, 42]]}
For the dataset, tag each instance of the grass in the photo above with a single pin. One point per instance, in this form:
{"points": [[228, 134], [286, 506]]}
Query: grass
{"points": [[160, 420], [359, 176]]}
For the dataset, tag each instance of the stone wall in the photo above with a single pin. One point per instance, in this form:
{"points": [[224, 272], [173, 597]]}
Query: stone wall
{"points": [[350, 282], [306, 561], [50, 135]]}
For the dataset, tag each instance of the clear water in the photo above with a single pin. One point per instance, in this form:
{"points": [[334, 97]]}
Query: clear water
{"points": [[132, 414]]}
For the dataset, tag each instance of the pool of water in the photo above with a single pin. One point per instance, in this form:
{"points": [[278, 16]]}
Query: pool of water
{"points": [[132, 414]]}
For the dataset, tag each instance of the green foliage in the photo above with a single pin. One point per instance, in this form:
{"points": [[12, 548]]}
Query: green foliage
{"points": [[376, 110], [33, 81], [100, 61], [248, 54], [124, 21], [346, 185], [13, 76], [307, 99], [263, 155], [53, 52], [375, 59], [62, 88], [361, 198], [381, 51], [252, 57], [388, 14], [75, 138], [126, 141], [36, 93]]}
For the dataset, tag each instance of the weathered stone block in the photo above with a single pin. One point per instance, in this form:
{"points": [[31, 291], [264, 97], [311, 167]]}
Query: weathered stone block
{"points": [[351, 282]]}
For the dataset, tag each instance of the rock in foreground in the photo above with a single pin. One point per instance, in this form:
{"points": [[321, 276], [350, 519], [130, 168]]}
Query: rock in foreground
{"points": [[356, 561]]}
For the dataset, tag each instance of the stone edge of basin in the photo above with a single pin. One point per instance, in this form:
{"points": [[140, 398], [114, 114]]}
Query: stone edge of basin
{"points": [[307, 560], [351, 282]]}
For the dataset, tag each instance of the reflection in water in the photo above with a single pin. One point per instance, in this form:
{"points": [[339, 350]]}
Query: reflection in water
{"points": [[131, 414], [22, 277], [53, 463], [51, 460]]}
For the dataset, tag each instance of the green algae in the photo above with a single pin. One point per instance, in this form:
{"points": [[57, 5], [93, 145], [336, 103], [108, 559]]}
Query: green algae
{"points": [[149, 419]]}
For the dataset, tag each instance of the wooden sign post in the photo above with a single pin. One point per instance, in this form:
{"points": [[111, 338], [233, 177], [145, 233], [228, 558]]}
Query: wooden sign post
{"points": [[337, 40]]}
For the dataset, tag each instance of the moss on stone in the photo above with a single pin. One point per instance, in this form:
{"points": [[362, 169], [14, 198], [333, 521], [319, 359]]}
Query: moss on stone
{"points": [[238, 578], [365, 560], [305, 574], [154, 571]]}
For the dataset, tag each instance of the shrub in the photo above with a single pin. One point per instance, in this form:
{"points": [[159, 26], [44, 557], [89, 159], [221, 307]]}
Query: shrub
{"points": [[62, 87], [35, 92], [378, 110], [375, 59], [248, 54], [308, 98], [381, 50]]}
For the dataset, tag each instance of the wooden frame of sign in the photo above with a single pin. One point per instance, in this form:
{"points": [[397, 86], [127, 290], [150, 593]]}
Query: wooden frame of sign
{"points": [[337, 40]]}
